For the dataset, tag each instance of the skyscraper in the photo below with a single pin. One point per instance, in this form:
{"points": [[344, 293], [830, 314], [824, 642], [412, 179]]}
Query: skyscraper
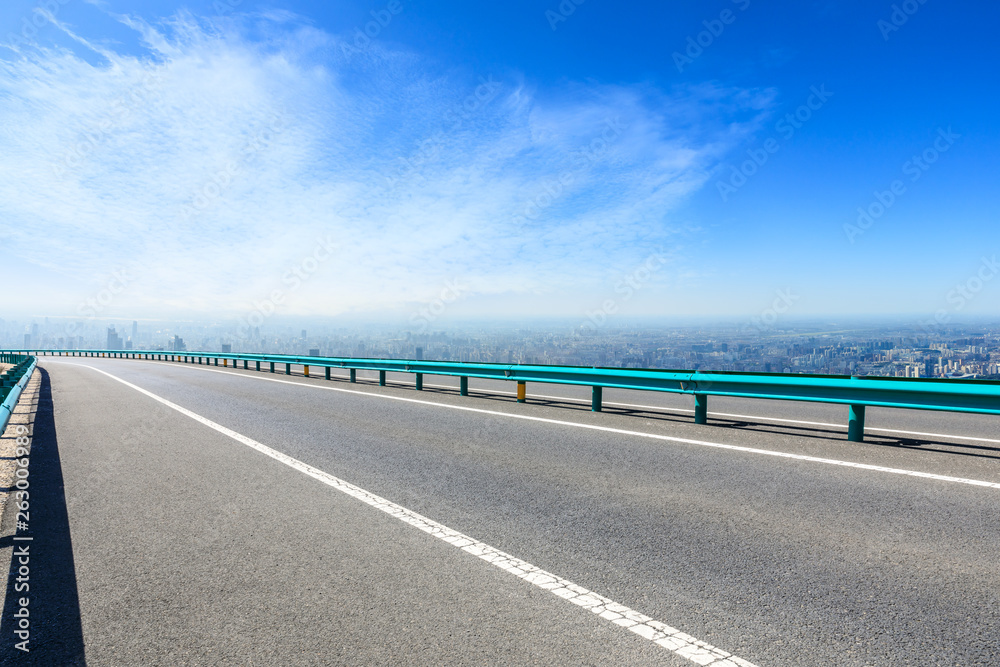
{"points": [[114, 340]]}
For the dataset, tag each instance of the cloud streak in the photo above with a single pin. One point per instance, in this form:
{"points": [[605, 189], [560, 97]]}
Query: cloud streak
{"points": [[215, 155]]}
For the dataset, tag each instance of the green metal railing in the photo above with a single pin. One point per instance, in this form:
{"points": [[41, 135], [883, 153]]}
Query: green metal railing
{"points": [[12, 382], [973, 396]]}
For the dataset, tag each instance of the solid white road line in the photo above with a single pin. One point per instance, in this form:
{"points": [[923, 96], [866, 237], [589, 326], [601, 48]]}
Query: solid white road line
{"points": [[663, 408], [662, 634], [608, 429]]}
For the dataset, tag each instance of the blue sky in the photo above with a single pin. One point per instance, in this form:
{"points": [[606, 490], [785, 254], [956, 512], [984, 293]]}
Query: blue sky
{"points": [[215, 159]]}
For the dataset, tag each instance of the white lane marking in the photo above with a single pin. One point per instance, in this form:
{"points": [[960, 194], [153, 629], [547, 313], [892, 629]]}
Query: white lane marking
{"points": [[669, 638], [640, 434], [664, 408]]}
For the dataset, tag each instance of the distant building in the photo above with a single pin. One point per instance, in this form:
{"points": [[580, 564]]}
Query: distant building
{"points": [[114, 341], [27, 341], [314, 352], [178, 344], [227, 348], [420, 354], [303, 333], [135, 331]]}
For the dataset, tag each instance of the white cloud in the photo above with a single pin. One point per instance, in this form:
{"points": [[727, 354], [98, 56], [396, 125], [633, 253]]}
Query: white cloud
{"points": [[212, 162]]}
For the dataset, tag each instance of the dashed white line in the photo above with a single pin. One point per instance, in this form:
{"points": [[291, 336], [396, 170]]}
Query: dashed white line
{"points": [[640, 434], [662, 634]]}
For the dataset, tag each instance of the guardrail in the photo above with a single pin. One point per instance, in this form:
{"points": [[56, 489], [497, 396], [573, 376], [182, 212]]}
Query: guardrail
{"points": [[857, 392], [12, 382]]}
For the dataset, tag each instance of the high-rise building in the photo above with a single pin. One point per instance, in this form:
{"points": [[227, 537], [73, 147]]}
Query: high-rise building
{"points": [[114, 340], [178, 344], [27, 341], [135, 331], [227, 348], [314, 352], [420, 354]]}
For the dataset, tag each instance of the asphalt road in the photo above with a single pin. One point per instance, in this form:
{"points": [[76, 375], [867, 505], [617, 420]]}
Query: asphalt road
{"points": [[187, 546]]}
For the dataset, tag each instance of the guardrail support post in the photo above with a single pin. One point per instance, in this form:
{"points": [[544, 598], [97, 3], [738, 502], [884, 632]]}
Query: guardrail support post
{"points": [[327, 373], [272, 366], [463, 386], [258, 365], [288, 369], [856, 423], [225, 363], [522, 392], [381, 378], [701, 408], [305, 370], [246, 365], [596, 397], [420, 381], [354, 375]]}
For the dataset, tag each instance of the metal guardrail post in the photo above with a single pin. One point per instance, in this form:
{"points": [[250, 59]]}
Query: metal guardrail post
{"points": [[305, 370], [288, 369], [522, 392], [326, 372], [381, 378], [354, 375], [596, 398], [419, 386], [258, 365], [701, 408], [856, 423], [463, 385]]}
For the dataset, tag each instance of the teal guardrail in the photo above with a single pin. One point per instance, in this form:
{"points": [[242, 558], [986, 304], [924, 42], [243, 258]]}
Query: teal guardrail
{"points": [[857, 392], [12, 382]]}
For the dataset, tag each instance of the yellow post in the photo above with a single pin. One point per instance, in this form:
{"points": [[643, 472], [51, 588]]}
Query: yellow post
{"points": [[306, 370], [225, 363], [522, 391]]}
